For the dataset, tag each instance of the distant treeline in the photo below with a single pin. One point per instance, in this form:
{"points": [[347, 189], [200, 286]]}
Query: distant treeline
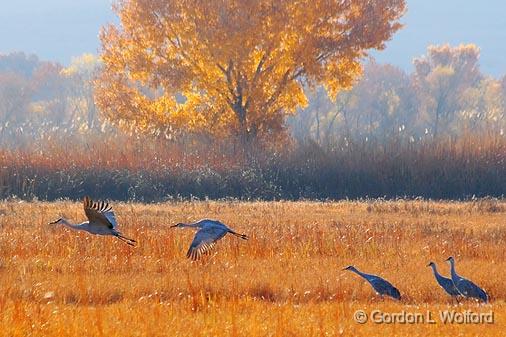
{"points": [[445, 96], [438, 132]]}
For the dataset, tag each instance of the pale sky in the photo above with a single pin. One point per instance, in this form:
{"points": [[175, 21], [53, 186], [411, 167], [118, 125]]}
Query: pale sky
{"points": [[451, 21], [59, 29]]}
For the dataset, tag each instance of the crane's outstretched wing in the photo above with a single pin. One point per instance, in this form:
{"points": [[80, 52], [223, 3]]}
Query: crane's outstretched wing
{"points": [[99, 213], [204, 241]]}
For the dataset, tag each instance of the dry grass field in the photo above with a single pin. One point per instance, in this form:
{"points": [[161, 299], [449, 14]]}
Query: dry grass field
{"points": [[285, 281]]}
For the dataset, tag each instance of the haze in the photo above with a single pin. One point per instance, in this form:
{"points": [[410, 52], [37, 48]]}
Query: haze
{"points": [[60, 29]]}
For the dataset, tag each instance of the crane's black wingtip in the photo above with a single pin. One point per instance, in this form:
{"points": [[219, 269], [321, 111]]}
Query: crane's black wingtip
{"points": [[396, 294], [192, 254]]}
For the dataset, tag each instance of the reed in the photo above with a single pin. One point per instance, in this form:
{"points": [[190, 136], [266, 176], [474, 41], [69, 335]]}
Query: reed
{"points": [[125, 168]]}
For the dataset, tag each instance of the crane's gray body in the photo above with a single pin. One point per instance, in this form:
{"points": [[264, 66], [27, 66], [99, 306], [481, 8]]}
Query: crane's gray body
{"points": [[380, 285], [444, 282], [101, 221], [210, 231], [466, 287]]}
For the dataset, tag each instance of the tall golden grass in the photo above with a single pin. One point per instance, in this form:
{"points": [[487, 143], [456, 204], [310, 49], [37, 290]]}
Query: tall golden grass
{"points": [[126, 168], [285, 281]]}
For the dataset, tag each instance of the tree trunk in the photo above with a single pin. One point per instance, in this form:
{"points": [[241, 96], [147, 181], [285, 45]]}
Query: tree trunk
{"points": [[246, 137]]}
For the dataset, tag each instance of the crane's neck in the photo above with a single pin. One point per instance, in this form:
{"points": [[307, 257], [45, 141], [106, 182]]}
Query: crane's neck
{"points": [[452, 270], [66, 223], [434, 269], [191, 225], [358, 272]]}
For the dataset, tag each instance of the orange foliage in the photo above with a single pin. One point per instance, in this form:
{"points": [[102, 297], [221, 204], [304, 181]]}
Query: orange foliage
{"points": [[233, 66]]}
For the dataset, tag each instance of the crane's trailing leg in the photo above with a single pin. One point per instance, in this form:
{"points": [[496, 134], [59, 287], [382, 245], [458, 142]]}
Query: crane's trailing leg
{"points": [[126, 240], [242, 236]]}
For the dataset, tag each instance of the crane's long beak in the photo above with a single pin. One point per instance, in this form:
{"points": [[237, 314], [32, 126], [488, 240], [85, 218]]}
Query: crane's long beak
{"points": [[53, 222], [448, 259]]}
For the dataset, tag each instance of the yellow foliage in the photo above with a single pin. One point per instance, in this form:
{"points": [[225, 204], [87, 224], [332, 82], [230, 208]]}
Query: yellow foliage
{"points": [[241, 65], [85, 63]]}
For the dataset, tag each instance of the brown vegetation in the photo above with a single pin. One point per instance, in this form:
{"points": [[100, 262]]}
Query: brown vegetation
{"points": [[126, 168], [286, 280]]}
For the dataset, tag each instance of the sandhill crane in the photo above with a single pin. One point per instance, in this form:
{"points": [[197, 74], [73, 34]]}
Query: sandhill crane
{"points": [[464, 286], [444, 282], [101, 221], [380, 285], [210, 231]]}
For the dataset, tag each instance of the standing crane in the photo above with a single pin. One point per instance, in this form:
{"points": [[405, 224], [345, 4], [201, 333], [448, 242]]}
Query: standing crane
{"points": [[444, 282], [101, 221], [380, 285], [465, 286], [210, 231]]}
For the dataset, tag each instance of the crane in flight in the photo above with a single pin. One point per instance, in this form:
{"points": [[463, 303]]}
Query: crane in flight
{"points": [[101, 221], [444, 282], [210, 231], [465, 286], [380, 285]]}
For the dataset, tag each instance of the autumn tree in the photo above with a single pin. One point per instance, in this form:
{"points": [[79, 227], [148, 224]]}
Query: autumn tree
{"points": [[16, 70], [19, 63], [484, 109], [15, 95], [442, 77], [49, 91], [80, 74], [382, 104], [233, 67]]}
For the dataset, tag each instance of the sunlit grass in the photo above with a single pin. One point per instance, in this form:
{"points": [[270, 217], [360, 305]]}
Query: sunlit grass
{"points": [[285, 281]]}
